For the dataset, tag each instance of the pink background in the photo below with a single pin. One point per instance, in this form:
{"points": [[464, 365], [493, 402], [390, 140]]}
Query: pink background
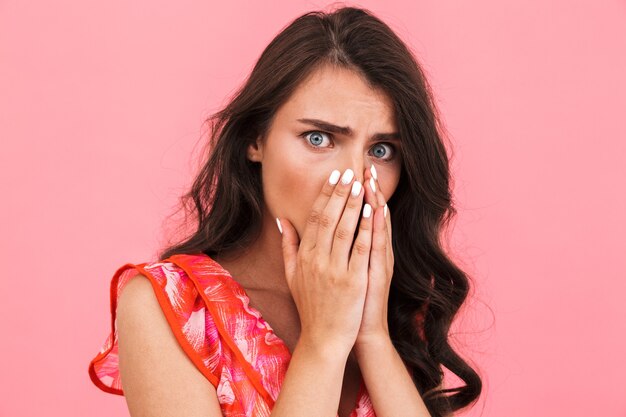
{"points": [[101, 106]]}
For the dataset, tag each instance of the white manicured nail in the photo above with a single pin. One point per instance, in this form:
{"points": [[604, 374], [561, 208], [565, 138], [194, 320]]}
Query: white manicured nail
{"points": [[347, 176], [334, 177], [374, 174], [367, 210], [372, 185], [280, 229], [385, 210], [356, 188]]}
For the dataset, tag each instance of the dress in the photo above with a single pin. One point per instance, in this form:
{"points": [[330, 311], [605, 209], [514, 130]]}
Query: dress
{"points": [[227, 339]]}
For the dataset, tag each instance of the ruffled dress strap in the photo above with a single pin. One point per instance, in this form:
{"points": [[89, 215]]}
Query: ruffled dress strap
{"points": [[186, 314]]}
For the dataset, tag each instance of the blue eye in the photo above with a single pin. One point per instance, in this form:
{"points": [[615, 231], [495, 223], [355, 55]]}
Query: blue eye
{"points": [[378, 153], [314, 138]]}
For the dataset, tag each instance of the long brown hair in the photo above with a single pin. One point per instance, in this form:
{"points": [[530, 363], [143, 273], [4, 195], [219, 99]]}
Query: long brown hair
{"points": [[226, 199]]}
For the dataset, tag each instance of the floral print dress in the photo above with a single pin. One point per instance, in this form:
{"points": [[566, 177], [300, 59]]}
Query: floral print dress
{"points": [[228, 340]]}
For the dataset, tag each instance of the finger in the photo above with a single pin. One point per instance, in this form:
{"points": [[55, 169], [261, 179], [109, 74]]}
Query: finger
{"points": [[379, 196], [370, 192], [378, 193], [374, 195], [378, 257], [309, 234], [333, 212], [290, 243], [388, 224], [343, 236], [389, 238], [360, 254], [388, 230]]}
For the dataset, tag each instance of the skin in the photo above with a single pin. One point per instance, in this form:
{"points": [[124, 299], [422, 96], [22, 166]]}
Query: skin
{"points": [[294, 168], [293, 176], [296, 160]]}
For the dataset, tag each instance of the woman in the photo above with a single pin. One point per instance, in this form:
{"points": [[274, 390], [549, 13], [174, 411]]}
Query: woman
{"points": [[315, 282]]}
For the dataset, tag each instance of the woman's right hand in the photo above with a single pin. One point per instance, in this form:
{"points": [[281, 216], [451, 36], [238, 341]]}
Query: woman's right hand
{"points": [[326, 274]]}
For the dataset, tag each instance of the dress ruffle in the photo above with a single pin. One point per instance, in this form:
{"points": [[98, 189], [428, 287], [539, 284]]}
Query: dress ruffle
{"points": [[224, 336]]}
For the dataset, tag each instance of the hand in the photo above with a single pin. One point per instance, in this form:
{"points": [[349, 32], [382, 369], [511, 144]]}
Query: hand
{"points": [[326, 274], [374, 322]]}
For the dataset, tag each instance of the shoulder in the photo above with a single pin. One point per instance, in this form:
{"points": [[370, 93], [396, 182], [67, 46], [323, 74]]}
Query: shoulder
{"points": [[139, 315], [149, 351], [138, 300]]}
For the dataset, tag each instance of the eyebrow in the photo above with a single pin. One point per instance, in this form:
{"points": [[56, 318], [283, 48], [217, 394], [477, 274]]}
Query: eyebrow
{"points": [[347, 131]]}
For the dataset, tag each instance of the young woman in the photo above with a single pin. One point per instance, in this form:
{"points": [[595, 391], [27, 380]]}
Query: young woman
{"points": [[314, 283]]}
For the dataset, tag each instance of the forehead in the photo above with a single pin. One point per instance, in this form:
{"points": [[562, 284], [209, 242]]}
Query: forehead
{"points": [[339, 95]]}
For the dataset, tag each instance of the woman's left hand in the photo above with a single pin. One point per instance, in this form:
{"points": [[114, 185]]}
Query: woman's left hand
{"points": [[374, 322]]}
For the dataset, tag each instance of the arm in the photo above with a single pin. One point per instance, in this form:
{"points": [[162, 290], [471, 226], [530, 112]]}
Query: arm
{"points": [[158, 378], [382, 368], [312, 384]]}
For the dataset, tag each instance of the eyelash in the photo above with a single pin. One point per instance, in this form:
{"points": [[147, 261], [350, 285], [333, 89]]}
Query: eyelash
{"points": [[391, 145]]}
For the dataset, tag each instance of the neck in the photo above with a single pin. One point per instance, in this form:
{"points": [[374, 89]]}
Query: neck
{"points": [[260, 265]]}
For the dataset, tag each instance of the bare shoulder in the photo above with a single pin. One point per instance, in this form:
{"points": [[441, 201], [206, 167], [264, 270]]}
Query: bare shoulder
{"points": [[158, 378]]}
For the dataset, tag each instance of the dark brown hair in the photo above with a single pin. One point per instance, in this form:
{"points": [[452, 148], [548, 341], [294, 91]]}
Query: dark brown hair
{"points": [[226, 199]]}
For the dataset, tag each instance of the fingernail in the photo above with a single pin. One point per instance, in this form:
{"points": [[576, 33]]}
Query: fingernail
{"points": [[374, 174], [373, 187], [385, 210], [280, 229], [334, 177], [347, 176], [356, 188], [367, 210]]}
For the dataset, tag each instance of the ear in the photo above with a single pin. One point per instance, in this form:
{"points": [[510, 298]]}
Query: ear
{"points": [[255, 150]]}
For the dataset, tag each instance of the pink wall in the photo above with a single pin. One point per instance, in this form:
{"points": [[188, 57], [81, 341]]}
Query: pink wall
{"points": [[101, 104]]}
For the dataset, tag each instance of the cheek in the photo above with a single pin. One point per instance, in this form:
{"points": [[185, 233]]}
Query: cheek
{"points": [[388, 179], [291, 184]]}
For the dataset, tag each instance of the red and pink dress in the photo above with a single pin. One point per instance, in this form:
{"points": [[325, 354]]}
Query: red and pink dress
{"points": [[226, 339]]}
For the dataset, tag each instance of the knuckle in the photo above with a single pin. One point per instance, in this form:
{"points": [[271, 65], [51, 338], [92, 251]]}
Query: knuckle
{"points": [[342, 233], [343, 190], [314, 217], [325, 221], [316, 268], [341, 281], [361, 248], [328, 190], [353, 204]]}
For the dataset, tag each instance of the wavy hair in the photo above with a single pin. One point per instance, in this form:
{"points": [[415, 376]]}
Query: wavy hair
{"points": [[226, 198]]}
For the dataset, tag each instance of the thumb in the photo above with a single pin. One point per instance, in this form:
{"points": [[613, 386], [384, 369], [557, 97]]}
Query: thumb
{"points": [[290, 245]]}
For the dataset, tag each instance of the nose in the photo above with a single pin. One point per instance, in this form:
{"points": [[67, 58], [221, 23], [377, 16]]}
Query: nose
{"points": [[357, 163]]}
